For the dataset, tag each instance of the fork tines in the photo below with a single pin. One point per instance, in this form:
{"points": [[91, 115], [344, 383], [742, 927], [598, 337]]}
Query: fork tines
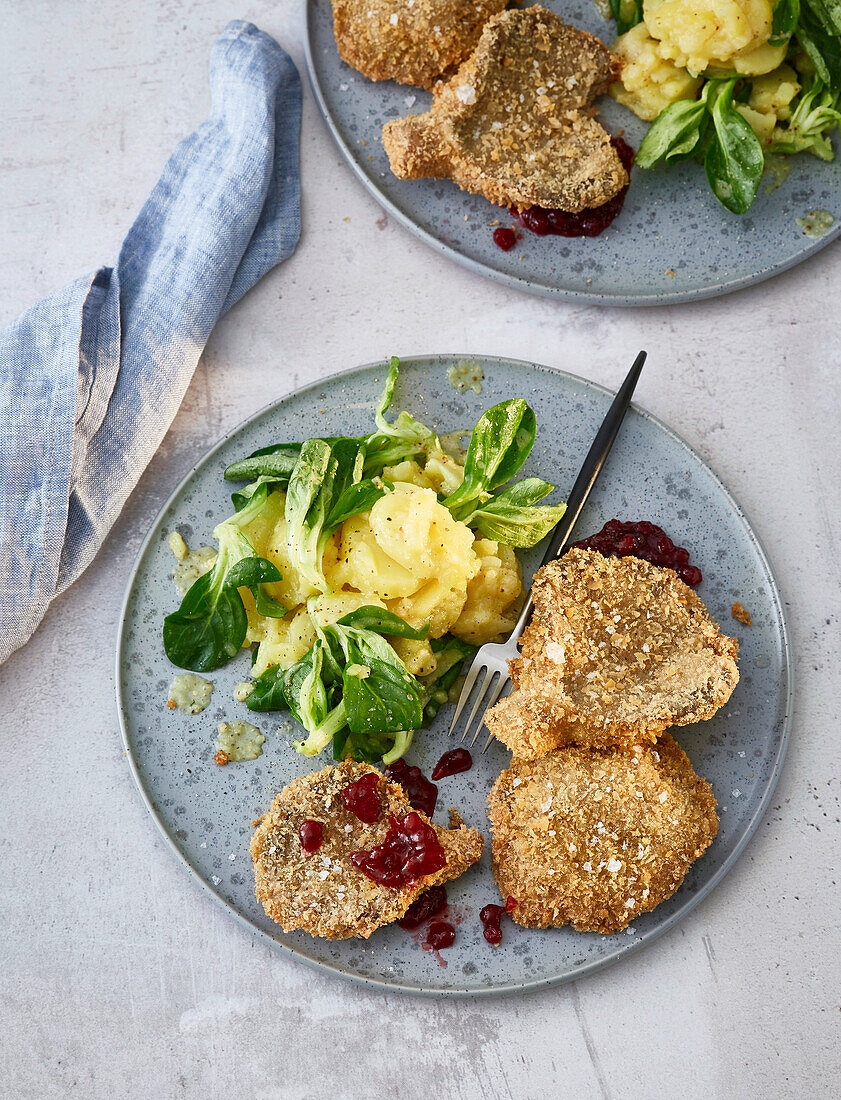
{"points": [[489, 691]]}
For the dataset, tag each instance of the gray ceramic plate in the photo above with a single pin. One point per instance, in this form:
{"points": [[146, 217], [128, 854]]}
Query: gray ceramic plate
{"points": [[672, 243], [205, 811]]}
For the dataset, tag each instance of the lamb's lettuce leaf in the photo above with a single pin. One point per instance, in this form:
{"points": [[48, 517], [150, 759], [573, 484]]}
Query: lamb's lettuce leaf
{"points": [[325, 489], [209, 627], [499, 445], [514, 516], [813, 118]]}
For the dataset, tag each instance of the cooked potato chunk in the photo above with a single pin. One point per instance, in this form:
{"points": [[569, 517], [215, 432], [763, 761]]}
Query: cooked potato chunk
{"points": [[409, 549], [760, 61], [490, 610], [650, 82], [711, 33], [439, 602], [267, 532], [416, 656], [283, 641], [770, 102]]}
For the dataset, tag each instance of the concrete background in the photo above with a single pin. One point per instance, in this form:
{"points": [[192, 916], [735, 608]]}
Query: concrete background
{"points": [[117, 976]]}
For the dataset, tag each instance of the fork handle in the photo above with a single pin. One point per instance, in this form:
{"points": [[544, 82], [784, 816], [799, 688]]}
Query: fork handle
{"points": [[587, 476]]}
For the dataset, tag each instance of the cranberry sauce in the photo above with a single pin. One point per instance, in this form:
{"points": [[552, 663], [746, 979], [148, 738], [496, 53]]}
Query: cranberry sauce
{"points": [[410, 850], [439, 934], [453, 762], [586, 223], [642, 540], [421, 793], [504, 238], [427, 906], [362, 798], [311, 834], [491, 918]]}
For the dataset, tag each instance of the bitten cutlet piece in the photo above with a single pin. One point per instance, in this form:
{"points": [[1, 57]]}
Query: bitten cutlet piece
{"points": [[515, 123], [594, 838], [616, 651], [410, 41], [322, 892]]}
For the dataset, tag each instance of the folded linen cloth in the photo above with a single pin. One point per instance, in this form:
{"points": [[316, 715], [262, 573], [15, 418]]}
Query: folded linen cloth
{"points": [[92, 376]]}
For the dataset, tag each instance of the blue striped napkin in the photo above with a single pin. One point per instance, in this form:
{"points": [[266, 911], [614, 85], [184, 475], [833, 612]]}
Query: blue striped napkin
{"points": [[92, 376]]}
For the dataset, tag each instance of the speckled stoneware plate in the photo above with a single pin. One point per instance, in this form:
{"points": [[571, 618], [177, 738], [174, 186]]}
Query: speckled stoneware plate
{"points": [[205, 811], [672, 242]]}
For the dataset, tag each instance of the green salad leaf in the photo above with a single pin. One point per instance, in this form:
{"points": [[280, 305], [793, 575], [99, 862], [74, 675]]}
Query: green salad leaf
{"points": [[709, 128], [276, 462], [325, 489], [814, 117], [734, 161], [514, 517], [499, 445], [310, 691], [676, 133], [252, 573], [379, 697], [380, 621], [626, 14], [209, 627], [786, 18], [268, 691]]}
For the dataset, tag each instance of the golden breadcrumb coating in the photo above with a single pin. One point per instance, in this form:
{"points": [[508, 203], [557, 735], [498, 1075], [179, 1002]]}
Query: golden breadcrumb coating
{"points": [[515, 123], [616, 651], [594, 838], [410, 41], [322, 892]]}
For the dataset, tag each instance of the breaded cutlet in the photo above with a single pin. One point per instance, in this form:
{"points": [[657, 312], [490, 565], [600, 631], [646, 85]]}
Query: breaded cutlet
{"points": [[322, 892], [410, 41], [594, 838], [515, 123], [617, 650]]}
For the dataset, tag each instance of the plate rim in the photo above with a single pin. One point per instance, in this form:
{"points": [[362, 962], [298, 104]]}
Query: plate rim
{"points": [[541, 290], [634, 944]]}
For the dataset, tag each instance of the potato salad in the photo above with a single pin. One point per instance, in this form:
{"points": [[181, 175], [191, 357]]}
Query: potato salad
{"points": [[727, 82], [362, 572]]}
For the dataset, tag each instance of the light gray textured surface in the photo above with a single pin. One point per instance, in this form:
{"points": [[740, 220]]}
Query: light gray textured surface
{"points": [[117, 976]]}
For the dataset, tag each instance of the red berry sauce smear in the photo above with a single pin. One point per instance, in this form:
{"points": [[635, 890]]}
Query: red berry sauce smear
{"points": [[453, 762], [439, 934], [410, 850], [421, 793], [427, 906], [362, 798], [311, 834], [586, 223], [491, 918], [504, 238], [642, 540]]}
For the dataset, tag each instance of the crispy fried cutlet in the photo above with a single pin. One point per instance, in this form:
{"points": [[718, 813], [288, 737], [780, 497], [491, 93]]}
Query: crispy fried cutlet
{"points": [[616, 651], [515, 123], [323, 892], [594, 838], [410, 41]]}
